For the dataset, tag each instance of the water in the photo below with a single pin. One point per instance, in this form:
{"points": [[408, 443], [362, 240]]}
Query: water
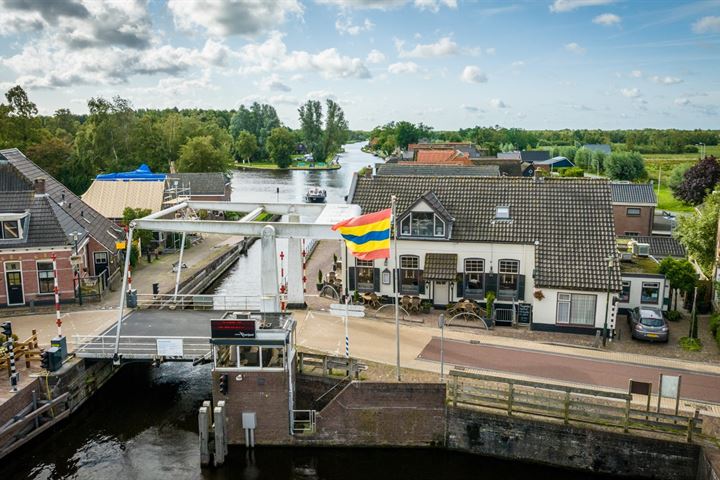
{"points": [[262, 185], [143, 424]]}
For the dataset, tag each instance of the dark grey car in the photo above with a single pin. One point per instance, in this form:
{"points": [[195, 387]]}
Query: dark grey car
{"points": [[648, 323]]}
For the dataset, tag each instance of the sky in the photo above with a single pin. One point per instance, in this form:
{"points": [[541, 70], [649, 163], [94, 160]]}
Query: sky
{"points": [[535, 64]]}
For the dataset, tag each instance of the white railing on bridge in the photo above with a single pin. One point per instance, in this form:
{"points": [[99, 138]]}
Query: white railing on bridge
{"points": [[302, 421], [141, 347], [200, 302]]}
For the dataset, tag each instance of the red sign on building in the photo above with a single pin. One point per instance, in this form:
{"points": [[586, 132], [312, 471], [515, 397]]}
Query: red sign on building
{"points": [[232, 328]]}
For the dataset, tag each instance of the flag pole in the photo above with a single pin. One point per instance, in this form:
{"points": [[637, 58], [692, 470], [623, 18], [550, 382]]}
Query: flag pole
{"points": [[393, 200]]}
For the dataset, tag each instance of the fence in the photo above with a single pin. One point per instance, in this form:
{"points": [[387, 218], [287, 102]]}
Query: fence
{"points": [[328, 363], [141, 347], [200, 302], [29, 350], [302, 421], [569, 404], [34, 419]]}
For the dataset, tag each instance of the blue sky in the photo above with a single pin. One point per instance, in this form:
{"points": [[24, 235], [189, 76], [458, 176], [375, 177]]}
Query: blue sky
{"points": [[446, 63]]}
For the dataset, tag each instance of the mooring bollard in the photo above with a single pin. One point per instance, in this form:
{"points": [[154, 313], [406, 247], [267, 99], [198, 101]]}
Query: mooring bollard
{"points": [[219, 436], [204, 430], [221, 404]]}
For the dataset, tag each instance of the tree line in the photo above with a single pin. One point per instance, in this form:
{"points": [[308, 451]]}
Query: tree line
{"points": [[113, 136]]}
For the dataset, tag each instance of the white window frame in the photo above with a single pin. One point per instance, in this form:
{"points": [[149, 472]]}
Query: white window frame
{"points": [[502, 212], [415, 267], [477, 269], [627, 284], [364, 264], [436, 219], [642, 289], [567, 301], [638, 214]]}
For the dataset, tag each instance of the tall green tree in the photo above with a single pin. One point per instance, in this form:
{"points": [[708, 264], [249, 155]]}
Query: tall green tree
{"points": [[50, 154], [280, 146], [681, 275], [625, 166], [310, 114], [199, 154], [698, 232], [336, 129], [259, 119], [245, 146]]}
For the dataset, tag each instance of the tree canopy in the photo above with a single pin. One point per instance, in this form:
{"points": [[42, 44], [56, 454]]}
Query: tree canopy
{"points": [[698, 232], [199, 154], [625, 166], [698, 181], [322, 142], [280, 146]]}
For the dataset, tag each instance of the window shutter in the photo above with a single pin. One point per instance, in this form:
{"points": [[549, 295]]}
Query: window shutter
{"points": [[521, 287], [421, 286], [376, 279], [460, 289], [351, 278]]}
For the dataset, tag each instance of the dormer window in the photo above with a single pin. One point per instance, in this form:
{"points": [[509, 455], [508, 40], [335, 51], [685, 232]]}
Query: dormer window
{"points": [[422, 224], [502, 213], [11, 226]]}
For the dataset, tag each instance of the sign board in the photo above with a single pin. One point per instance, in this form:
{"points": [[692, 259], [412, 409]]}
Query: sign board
{"points": [[640, 388], [669, 386], [121, 245], [350, 308], [75, 260], [232, 328], [170, 347], [524, 313], [349, 313]]}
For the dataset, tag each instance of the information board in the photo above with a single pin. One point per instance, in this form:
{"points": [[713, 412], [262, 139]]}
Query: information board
{"points": [[232, 328], [524, 313], [170, 347]]}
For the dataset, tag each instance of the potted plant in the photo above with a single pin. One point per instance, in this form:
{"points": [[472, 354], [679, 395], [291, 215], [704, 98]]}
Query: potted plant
{"points": [[425, 306], [489, 300], [539, 295], [319, 283]]}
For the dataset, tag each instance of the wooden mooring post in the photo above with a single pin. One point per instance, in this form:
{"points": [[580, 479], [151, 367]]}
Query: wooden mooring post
{"points": [[204, 432]]}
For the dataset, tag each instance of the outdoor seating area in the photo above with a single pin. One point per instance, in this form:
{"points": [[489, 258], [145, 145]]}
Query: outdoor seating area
{"points": [[467, 309]]}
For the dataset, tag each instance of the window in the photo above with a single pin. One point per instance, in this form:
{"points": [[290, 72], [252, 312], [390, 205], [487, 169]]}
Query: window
{"points": [[474, 277], [46, 277], [576, 309], [508, 281], [632, 234], [650, 293], [502, 213], [10, 229], [249, 356], [633, 212], [625, 293], [410, 274], [422, 224], [364, 275], [272, 357]]}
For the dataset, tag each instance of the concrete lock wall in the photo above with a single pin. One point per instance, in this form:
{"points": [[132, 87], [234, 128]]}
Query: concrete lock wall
{"points": [[571, 447]]}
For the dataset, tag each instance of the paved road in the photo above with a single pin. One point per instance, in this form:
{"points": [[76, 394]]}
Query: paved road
{"points": [[568, 368]]}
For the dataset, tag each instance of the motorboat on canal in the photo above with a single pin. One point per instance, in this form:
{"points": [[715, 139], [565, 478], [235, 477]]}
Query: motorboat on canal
{"points": [[315, 195]]}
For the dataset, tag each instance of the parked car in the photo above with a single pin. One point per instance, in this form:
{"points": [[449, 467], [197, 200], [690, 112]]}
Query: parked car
{"points": [[648, 323]]}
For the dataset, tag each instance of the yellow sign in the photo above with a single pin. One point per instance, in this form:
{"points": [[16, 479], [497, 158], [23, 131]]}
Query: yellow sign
{"points": [[121, 245]]}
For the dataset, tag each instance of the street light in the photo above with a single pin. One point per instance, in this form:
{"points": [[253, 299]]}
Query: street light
{"points": [[611, 264], [77, 268], [441, 324]]}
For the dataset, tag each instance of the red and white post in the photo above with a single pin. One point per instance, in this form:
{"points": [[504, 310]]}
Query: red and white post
{"points": [[283, 283], [56, 290]]}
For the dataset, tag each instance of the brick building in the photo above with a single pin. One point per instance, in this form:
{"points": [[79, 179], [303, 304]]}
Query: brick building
{"points": [[633, 208]]}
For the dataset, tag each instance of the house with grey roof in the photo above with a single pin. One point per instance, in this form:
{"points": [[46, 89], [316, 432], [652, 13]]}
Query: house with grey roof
{"points": [[98, 257], [634, 208], [541, 246], [437, 170], [200, 187]]}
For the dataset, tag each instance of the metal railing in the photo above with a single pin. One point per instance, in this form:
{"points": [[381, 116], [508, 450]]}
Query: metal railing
{"points": [[588, 406], [302, 421], [140, 347], [200, 302]]}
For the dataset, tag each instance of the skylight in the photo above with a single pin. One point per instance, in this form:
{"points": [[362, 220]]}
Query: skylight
{"points": [[502, 213]]}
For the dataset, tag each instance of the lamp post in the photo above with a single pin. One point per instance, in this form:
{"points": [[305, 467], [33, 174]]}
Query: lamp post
{"points": [[611, 264], [441, 324], [77, 268]]}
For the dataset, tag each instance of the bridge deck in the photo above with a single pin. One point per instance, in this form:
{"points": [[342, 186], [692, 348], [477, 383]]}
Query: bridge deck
{"points": [[149, 334]]}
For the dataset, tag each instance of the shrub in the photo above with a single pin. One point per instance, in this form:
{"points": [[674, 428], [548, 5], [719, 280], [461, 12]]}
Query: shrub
{"points": [[572, 172], [690, 344], [489, 300], [673, 316], [715, 324]]}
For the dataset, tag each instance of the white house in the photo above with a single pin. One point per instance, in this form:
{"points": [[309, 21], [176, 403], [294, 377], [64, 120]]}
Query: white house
{"points": [[541, 245]]}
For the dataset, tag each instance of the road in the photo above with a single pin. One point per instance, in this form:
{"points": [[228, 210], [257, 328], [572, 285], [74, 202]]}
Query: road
{"points": [[568, 368]]}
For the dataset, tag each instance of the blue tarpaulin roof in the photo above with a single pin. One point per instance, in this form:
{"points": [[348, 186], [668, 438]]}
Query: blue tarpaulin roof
{"points": [[142, 174]]}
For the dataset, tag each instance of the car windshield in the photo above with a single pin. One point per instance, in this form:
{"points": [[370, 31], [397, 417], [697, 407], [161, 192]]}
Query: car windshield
{"points": [[652, 322]]}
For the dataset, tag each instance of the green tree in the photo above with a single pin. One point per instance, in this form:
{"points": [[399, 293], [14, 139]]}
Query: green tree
{"points": [[336, 129], [19, 125], [245, 146], [698, 232], [280, 146], [583, 158], [200, 155], [259, 119], [625, 166], [145, 236], [598, 161], [310, 114], [677, 175], [50, 154], [681, 275]]}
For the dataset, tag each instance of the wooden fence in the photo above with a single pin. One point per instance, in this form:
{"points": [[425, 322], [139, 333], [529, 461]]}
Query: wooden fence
{"points": [[327, 363], [27, 350], [569, 404], [35, 418]]}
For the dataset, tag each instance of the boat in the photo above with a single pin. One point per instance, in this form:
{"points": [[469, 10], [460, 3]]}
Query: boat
{"points": [[315, 195]]}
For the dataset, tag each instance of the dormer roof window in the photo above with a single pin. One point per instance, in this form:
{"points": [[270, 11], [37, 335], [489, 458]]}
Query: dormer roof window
{"points": [[502, 213], [11, 226], [426, 218]]}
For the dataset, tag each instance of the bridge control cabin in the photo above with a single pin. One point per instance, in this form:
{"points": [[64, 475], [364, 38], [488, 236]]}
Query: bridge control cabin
{"points": [[253, 372]]}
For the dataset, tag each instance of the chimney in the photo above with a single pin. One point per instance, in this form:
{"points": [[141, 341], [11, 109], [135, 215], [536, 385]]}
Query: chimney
{"points": [[39, 186]]}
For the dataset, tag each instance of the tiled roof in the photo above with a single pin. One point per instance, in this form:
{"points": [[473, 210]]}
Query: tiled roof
{"points": [[440, 266], [511, 167], [111, 198], [534, 155], [442, 157], [99, 227], [662, 246], [509, 155], [572, 219], [438, 170], [633, 193], [201, 183], [11, 180]]}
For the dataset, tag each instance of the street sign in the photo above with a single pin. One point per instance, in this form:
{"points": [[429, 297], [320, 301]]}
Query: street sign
{"points": [[75, 260], [349, 313], [232, 328], [170, 347], [350, 308]]}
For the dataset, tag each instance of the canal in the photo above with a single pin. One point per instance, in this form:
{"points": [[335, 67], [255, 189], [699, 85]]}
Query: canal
{"points": [[143, 423]]}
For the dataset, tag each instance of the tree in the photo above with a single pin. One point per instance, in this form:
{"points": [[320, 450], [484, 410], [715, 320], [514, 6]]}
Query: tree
{"points": [[200, 155], [681, 275], [598, 161], [697, 232], [583, 158], [280, 146], [19, 103], [310, 114], [145, 236], [259, 119], [336, 129], [677, 175], [50, 154], [245, 146], [698, 181], [625, 166], [405, 134]]}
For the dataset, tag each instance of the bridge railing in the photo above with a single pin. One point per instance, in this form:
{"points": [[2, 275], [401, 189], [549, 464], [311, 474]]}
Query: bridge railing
{"points": [[141, 347], [200, 302]]}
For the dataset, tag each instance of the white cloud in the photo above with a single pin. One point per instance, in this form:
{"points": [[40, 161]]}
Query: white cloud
{"points": [[630, 92], [434, 5], [705, 109], [443, 47], [574, 48], [344, 25], [560, 6], [636, 73], [707, 25], [274, 83], [321, 95], [283, 100], [682, 101], [607, 19], [402, 68], [220, 18], [517, 64], [666, 80], [375, 56], [497, 103], [430, 5], [490, 51], [471, 108], [473, 74]]}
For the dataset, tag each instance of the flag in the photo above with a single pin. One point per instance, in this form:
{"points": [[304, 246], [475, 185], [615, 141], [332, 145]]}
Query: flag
{"points": [[367, 236]]}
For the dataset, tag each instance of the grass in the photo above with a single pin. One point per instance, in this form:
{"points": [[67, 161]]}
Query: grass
{"points": [[690, 344]]}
